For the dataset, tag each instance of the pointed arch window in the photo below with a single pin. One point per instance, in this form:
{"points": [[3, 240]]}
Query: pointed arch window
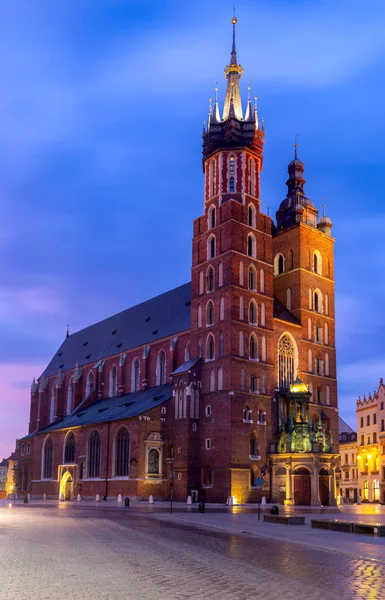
{"points": [[47, 458], [70, 393], [251, 245], [210, 347], [252, 278], [286, 360], [263, 315], [279, 264], [135, 375], [211, 247], [221, 344], [210, 279], [232, 165], [212, 217], [241, 274], [251, 214], [326, 334], [241, 343], [113, 384], [288, 298], [317, 299], [263, 349], [327, 368], [317, 262], [253, 446], [310, 361], [222, 308], [161, 368], [309, 328], [93, 464], [220, 379], [210, 313], [241, 308], [212, 380], [253, 312], [253, 347], [122, 453], [199, 315], [89, 383], [232, 184], [220, 275], [69, 449], [201, 282], [262, 281]]}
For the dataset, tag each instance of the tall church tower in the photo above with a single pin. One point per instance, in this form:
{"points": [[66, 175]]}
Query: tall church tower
{"points": [[232, 298]]}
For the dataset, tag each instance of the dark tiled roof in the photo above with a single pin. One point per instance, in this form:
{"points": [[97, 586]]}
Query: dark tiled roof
{"points": [[115, 409], [186, 366], [344, 427], [144, 323], [283, 314], [3, 463]]}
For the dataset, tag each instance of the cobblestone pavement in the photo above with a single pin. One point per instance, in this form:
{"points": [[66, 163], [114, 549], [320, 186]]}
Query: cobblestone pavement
{"points": [[51, 553]]}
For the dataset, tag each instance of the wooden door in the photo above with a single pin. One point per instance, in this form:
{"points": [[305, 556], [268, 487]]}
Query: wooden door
{"points": [[302, 490], [324, 490]]}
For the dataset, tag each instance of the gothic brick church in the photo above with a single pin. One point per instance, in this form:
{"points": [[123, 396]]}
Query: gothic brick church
{"points": [[224, 386]]}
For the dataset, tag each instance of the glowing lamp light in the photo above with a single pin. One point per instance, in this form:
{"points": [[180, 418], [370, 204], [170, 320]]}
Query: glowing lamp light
{"points": [[235, 501], [369, 456]]}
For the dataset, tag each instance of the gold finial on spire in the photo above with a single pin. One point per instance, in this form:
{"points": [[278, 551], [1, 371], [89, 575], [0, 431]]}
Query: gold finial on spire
{"points": [[295, 146]]}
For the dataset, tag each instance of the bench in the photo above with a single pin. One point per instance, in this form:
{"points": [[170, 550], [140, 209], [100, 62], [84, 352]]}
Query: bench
{"points": [[349, 526], [284, 520], [370, 528]]}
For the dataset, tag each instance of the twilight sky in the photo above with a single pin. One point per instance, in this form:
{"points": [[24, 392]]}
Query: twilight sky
{"points": [[101, 111]]}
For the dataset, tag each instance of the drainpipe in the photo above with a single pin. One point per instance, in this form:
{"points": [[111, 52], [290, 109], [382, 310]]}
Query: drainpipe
{"points": [[107, 460]]}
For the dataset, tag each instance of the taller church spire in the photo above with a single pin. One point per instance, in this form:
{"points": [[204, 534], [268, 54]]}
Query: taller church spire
{"points": [[233, 73]]}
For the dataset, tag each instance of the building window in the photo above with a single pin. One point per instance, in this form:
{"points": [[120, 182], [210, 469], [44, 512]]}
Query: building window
{"points": [[113, 388], [286, 356], [201, 282], [29, 448], [317, 301], [211, 247], [253, 446], [22, 449], [69, 449], [374, 438], [264, 387], [89, 383], [362, 421], [199, 315], [221, 344], [310, 360], [288, 298], [241, 274], [317, 262], [254, 384], [253, 310], [262, 281], [279, 264], [232, 184], [210, 348], [374, 419], [70, 396], [208, 444], [161, 368], [326, 334], [52, 404], [208, 410], [263, 349], [47, 458], [222, 308], [243, 380], [247, 415], [263, 315], [212, 217], [210, 313], [81, 470], [220, 275], [212, 380], [262, 417], [94, 455], [199, 348], [383, 427], [251, 216], [153, 461], [135, 375], [251, 246], [319, 395], [362, 440], [220, 379], [318, 334], [210, 279], [368, 420], [253, 347], [207, 475], [122, 453], [382, 406], [252, 279]]}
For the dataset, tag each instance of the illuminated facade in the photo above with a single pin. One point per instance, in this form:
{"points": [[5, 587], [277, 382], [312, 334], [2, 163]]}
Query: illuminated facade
{"points": [[370, 415], [192, 388]]}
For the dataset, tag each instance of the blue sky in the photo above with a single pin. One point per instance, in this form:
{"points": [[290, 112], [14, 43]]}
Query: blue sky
{"points": [[101, 111]]}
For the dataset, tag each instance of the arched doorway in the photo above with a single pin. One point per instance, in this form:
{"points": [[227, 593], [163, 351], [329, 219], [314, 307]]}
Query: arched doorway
{"points": [[67, 486], [324, 487], [302, 487]]}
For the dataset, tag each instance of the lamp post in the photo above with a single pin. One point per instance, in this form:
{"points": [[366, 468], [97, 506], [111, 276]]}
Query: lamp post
{"points": [[172, 475], [12, 489]]}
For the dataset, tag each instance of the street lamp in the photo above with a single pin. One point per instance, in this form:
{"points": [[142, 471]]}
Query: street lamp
{"points": [[12, 489], [172, 475]]}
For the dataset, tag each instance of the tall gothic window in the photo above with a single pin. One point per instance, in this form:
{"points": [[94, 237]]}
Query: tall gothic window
{"points": [[210, 313], [69, 448], [232, 184], [212, 217], [210, 349], [113, 382], [286, 355], [47, 458], [135, 375], [161, 368], [122, 451], [70, 396], [253, 347], [232, 164], [252, 278], [210, 279], [90, 383], [94, 455]]}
